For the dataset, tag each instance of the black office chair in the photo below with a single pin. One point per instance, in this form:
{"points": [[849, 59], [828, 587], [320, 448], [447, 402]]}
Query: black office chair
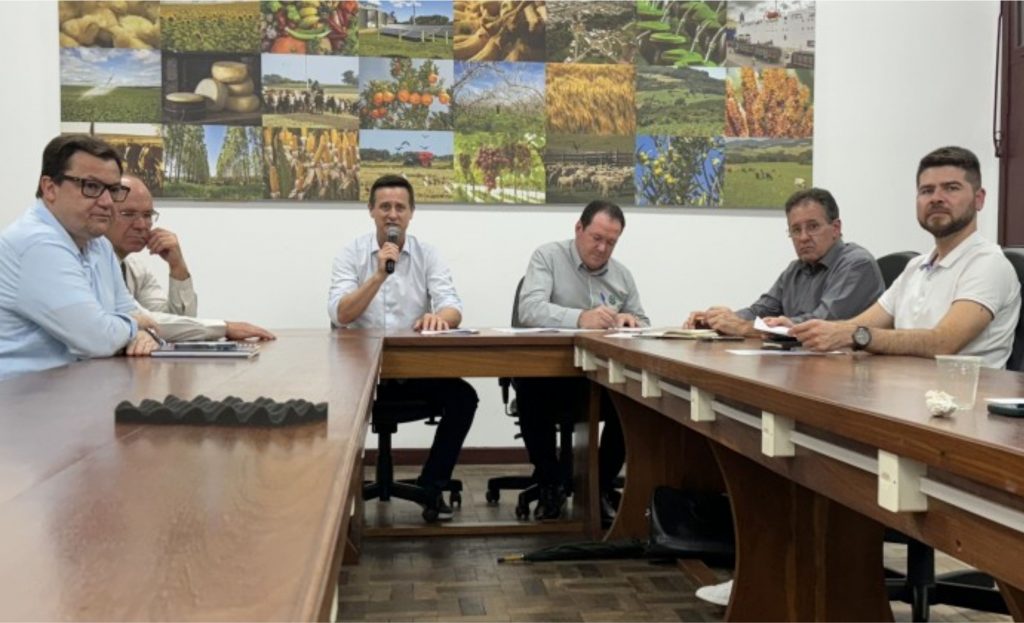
{"points": [[529, 491], [893, 264], [387, 415], [920, 587]]}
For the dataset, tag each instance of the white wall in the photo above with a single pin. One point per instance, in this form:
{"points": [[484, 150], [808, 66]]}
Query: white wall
{"points": [[895, 80]]}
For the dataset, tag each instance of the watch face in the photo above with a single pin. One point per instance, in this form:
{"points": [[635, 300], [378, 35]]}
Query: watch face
{"points": [[861, 337]]}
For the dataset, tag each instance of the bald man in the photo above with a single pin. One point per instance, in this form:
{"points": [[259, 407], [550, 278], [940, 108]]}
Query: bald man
{"points": [[174, 311]]}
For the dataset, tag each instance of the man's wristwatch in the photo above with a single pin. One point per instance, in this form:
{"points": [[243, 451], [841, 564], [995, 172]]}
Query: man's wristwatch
{"points": [[861, 338]]}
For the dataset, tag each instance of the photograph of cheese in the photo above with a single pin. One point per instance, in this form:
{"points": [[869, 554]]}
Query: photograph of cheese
{"points": [[110, 85], [140, 145], [301, 91], [213, 162], [222, 89], [109, 24]]}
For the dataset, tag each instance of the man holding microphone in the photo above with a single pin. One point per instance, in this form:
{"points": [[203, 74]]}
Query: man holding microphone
{"points": [[390, 280]]}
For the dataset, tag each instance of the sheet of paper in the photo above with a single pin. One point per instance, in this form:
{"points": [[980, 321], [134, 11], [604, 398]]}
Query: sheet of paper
{"points": [[621, 334], [451, 332], [522, 330], [778, 353], [1005, 401], [760, 325]]}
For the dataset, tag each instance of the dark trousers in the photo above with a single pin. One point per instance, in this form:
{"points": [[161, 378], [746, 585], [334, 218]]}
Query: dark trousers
{"points": [[544, 402], [455, 400]]}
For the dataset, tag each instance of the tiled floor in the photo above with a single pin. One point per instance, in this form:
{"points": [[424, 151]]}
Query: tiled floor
{"points": [[459, 578]]}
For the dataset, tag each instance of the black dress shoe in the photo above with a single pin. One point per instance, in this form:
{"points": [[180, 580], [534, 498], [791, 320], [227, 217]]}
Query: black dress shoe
{"points": [[437, 509], [550, 503]]}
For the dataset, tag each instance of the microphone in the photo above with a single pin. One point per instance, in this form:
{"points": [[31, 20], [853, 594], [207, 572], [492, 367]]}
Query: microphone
{"points": [[393, 234]]}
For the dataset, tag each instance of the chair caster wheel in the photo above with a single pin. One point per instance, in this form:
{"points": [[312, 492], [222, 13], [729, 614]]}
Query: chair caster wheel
{"points": [[455, 499], [522, 512], [430, 515], [493, 497]]}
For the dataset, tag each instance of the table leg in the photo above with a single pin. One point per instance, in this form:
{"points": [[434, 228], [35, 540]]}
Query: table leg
{"points": [[659, 451], [799, 555], [1014, 599]]}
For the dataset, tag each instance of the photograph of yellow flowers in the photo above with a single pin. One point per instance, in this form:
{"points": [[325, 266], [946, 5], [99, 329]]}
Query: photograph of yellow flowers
{"points": [[679, 171]]}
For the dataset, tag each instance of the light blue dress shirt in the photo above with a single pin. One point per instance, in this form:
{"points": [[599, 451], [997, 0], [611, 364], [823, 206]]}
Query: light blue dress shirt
{"points": [[421, 283], [58, 304]]}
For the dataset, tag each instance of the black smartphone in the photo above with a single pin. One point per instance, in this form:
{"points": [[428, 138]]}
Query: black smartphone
{"points": [[1007, 410]]}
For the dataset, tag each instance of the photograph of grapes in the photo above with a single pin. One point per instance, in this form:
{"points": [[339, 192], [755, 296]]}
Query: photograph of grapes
{"points": [[644, 102]]}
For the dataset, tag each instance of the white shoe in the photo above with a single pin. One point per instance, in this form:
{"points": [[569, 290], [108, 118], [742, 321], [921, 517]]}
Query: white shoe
{"points": [[717, 594]]}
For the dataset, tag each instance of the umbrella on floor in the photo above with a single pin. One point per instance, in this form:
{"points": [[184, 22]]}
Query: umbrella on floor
{"points": [[584, 550]]}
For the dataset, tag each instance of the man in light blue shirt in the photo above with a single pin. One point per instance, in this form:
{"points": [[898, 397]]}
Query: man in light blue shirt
{"points": [[62, 298], [390, 280]]}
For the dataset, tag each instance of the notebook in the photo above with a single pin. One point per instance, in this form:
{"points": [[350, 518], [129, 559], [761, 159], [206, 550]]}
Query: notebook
{"points": [[230, 350]]}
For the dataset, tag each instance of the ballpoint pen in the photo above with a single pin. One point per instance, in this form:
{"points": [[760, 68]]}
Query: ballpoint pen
{"points": [[604, 299]]}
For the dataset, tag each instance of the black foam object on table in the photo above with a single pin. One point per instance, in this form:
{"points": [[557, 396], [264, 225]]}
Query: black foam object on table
{"points": [[232, 411]]}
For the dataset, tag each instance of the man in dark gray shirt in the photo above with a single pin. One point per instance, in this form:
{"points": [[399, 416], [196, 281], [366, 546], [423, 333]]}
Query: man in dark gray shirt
{"points": [[830, 280], [575, 284]]}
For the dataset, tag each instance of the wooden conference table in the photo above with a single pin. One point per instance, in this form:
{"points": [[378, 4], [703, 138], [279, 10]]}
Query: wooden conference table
{"points": [[818, 454], [102, 522]]}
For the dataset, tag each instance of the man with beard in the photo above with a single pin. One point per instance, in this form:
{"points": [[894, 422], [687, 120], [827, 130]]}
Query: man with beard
{"points": [[963, 297]]}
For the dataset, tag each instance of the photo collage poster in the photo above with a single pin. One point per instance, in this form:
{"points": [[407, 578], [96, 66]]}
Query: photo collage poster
{"points": [[528, 102]]}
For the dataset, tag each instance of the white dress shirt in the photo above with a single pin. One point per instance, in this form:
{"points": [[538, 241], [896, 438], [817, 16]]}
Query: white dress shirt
{"points": [[421, 283], [144, 284]]}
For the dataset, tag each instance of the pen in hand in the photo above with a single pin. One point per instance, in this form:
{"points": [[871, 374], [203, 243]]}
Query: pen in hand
{"points": [[604, 299]]}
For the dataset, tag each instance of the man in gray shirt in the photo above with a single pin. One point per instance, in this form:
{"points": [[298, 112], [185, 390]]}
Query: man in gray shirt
{"points": [[574, 284], [830, 279]]}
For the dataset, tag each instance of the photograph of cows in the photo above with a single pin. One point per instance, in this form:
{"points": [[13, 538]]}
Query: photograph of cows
{"points": [[310, 91], [763, 173]]}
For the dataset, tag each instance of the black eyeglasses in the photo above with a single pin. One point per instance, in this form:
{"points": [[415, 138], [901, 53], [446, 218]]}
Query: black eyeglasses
{"points": [[95, 188]]}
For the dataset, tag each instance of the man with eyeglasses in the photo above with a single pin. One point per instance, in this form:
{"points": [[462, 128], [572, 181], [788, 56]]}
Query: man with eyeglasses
{"points": [[830, 279], [61, 294], [174, 311], [132, 231]]}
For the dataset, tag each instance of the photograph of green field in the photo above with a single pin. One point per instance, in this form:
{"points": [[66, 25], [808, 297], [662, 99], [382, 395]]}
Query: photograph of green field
{"points": [[685, 101], [110, 85], [394, 29], [423, 158], [763, 173], [498, 97], [210, 26], [590, 32], [213, 162], [499, 168], [582, 167], [310, 91]]}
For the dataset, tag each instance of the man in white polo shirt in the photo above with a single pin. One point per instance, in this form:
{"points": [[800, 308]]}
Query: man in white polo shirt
{"points": [[962, 297]]}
